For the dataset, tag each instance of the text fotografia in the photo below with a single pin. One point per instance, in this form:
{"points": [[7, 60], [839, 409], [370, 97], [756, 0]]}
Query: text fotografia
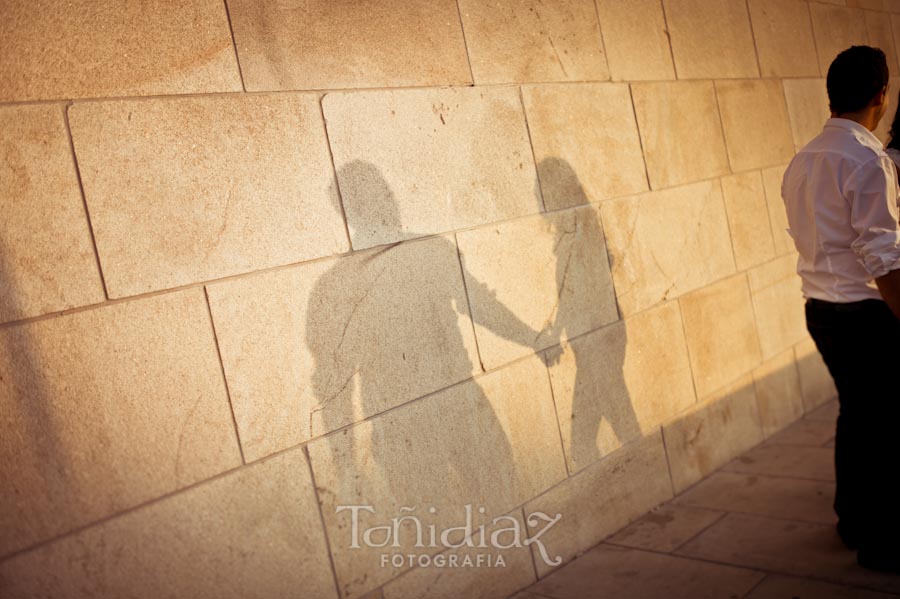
{"points": [[428, 536]]}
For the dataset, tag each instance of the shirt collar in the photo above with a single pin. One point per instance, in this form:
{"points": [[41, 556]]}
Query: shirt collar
{"points": [[856, 128]]}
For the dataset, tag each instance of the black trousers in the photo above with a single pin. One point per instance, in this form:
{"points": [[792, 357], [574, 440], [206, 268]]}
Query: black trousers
{"points": [[860, 343]]}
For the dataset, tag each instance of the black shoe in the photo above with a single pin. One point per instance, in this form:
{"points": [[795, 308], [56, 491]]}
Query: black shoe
{"points": [[849, 535], [882, 561]]}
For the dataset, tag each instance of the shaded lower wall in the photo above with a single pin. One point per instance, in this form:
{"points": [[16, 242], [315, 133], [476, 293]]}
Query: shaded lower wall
{"points": [[549, 277]]}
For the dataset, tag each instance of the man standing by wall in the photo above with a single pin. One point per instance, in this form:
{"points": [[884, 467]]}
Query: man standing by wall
{"points": [[840, 192]]}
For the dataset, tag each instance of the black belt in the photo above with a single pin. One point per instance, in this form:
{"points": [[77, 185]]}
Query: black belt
{"points": [[866, 304]]}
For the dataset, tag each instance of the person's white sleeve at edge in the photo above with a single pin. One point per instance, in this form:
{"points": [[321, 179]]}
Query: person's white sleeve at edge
{"points": [[872, 192]]}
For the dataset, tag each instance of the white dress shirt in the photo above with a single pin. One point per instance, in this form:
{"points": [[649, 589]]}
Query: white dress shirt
{"points": [[840, 192]]}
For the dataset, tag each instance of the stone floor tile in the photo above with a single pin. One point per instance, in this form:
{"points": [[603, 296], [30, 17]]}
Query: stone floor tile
{"points": [[783, 546], [665, 528], [789, 587], [636, 40], [609, 571], [805, 432], [787, 498], [321, 44], [170, 48], [813, 463]]}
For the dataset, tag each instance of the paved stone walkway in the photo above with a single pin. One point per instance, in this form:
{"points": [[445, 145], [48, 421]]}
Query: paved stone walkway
{"points": [[761, 527]]}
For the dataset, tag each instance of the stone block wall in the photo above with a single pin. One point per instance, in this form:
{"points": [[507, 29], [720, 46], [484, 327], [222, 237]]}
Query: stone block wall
{"points": [[261, 260]]}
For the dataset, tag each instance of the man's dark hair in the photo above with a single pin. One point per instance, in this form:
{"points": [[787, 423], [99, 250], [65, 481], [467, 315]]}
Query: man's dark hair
{"points": [[855, 77]]}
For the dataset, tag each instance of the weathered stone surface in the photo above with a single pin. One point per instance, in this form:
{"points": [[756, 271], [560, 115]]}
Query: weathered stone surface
{"points": [[681, 132], [881, 36], [722, 427], [772, 178], [636, 40], [748, 219], [312, 348], [744, 106], [585, 141], [190, 189], [836, 28], [814, 463], [815, 380], [663, 244], [665, 528], [721, 333], [535, 281], [621, 382], [778, 304], [417, 162], [717, 46], [807, 104], [255, 532], [444, 451], [47, 260], [323, 44], [784, 38], [517, 42], [778, 392], [601, 499], [88, 48], [105, 409]]}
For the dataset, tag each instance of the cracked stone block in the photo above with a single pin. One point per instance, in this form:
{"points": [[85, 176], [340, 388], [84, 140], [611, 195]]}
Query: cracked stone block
{"points": [[772, 178], [110, 408], [412, 163], [636, 40], [748, 219], [807, 104], [778, 392], [778, 304], [614, 385], [601, 499], [80, 49], [680, 131], [190, 189], [47, 261], [724, 426], [327, 44], [485, 582], [586, 142], [312, 348], [663, 244], [746, 104], [443, 452], [815, 380], [718, 46], [721, 333], [881, 36], [531, 41], [255, 532], [535, 281], [784, 38], [836, 28]]}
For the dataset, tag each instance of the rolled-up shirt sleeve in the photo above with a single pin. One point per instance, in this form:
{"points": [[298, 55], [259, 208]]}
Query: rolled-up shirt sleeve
{"points": [[872, 192]]}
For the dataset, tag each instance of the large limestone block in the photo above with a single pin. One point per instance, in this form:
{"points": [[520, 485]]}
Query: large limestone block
{"points": [[778, 305], [807, 104], [190, 189], [586, 142], [772, 180], [418, 162], [598, 501], [636, 40], [663, 244], [721, 333], [778, 392], [255, 532], [104, 409], [784, 38], [815, 380], [745, 105], [47, 260], [513, 41], [90, 48], [711, 40], [491, 443], [724, 426], [621, 382], [681, 132], [312, 348], [878, 25], [338, 44], [748, 219], [535, 281], [836, 28]]}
